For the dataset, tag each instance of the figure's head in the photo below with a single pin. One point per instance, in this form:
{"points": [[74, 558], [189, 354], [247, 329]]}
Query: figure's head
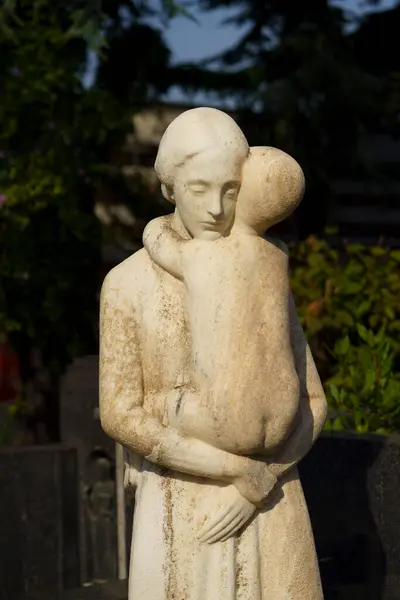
{"points": [[272, 187], [199, 164]]}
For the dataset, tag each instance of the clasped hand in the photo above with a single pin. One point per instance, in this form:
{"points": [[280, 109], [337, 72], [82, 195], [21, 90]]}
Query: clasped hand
{"points": [[229, 511], [234, 505]]}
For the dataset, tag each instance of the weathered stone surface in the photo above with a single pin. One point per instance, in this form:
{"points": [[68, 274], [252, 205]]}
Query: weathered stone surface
{"points": [[39, 545], [220, 512]]}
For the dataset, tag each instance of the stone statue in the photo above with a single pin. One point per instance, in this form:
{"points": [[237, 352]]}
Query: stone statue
{"points": [[207, 379]]}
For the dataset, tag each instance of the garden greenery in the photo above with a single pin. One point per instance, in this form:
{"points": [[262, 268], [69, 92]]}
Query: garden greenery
{"points": [[348, 299]]}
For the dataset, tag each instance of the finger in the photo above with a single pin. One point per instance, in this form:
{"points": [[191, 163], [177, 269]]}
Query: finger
{"points": [[219, 524], [226, 511], [225, 532], [244, 518], [238, 527], [232, 517]]}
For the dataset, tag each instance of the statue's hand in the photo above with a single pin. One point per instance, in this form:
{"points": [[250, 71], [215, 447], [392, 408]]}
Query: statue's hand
{"points": [[229, 512], [256, 482]]}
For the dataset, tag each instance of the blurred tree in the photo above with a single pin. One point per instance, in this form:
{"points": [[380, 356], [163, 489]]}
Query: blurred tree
{"points": [[299, 68], [56, 138]]}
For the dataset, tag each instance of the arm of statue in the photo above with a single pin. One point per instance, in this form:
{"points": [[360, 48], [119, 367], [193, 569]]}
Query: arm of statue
{"points": [[125, 420], [313, 406], [164, 245]]}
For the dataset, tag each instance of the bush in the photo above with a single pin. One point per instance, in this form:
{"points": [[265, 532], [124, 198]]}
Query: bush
{"points": [[348, 301], [364, 392], [55, 138]]}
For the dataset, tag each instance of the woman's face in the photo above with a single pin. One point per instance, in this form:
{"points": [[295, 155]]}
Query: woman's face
{"points": [[205, 192]]}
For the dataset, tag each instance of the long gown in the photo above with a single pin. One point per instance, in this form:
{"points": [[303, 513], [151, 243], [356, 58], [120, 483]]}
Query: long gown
{"points": [[272, 558]]}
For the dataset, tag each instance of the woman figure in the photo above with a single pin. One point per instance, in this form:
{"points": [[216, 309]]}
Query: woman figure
{"points": [[195, 535]]}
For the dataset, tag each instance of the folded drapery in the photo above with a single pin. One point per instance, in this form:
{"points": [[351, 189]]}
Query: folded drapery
{"points": [[273, 557]]}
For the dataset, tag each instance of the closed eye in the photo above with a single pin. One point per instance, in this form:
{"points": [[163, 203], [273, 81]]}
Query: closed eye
{"points": [[197, 187]]}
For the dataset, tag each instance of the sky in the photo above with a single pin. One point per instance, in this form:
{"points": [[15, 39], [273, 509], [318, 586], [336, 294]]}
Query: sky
{"points": [[191, 42], [208, 37]]}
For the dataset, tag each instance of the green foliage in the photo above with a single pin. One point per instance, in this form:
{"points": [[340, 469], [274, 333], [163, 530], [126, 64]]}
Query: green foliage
{"points": [[56, 140], [54, 136], [337, 289], [364, 392], [348, 301]]}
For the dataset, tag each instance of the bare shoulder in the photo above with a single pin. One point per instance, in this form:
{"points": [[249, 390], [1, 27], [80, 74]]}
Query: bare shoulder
{"points": [[157, 226], [129, 278]]}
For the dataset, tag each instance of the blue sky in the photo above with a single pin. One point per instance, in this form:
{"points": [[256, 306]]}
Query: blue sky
{"points": [[190, 41]]}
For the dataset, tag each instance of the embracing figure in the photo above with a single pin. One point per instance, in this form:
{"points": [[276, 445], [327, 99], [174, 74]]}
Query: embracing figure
{"points": [[207, 379]]}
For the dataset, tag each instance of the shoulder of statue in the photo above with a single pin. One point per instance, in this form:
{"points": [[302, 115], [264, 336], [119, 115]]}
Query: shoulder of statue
{"points": [[127, 279]]}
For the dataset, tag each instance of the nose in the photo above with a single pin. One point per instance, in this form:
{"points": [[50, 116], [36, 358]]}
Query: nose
{"points": [[214, 206]]}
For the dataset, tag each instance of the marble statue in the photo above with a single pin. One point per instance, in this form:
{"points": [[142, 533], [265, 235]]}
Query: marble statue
{"points": [[207, 380]]}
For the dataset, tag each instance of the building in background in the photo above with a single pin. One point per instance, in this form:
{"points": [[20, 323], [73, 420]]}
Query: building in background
{"points": [[367, 210]]}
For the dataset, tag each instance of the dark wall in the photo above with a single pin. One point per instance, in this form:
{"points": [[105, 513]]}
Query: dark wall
{"points": [[80, 427], [352, 486], [39, 547]]}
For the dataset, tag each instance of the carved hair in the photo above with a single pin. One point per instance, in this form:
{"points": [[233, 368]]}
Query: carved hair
{"points": [[191, 133]]}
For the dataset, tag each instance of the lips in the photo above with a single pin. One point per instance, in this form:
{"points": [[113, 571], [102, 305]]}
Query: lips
{"points": [[213, 224]]}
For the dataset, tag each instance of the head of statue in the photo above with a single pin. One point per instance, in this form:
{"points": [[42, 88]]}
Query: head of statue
{"points": [[199, 164], [273, 186]]}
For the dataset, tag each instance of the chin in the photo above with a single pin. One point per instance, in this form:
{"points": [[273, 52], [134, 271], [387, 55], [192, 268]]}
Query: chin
{"points": [[209, 235]]}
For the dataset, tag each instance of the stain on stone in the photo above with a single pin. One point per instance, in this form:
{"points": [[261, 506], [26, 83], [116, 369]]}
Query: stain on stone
{"points": [[179, 403]]}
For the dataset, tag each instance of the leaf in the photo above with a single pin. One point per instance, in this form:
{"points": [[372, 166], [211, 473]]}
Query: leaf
{"points": [[342, 346], [370, 379], [395, 254], [333, 390], [355, 248], [362, 332], [378, 251], [389, 312], [363, 307], [345, 318], [365, 358], [352, 288], [359, 420], [337, 425]]}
